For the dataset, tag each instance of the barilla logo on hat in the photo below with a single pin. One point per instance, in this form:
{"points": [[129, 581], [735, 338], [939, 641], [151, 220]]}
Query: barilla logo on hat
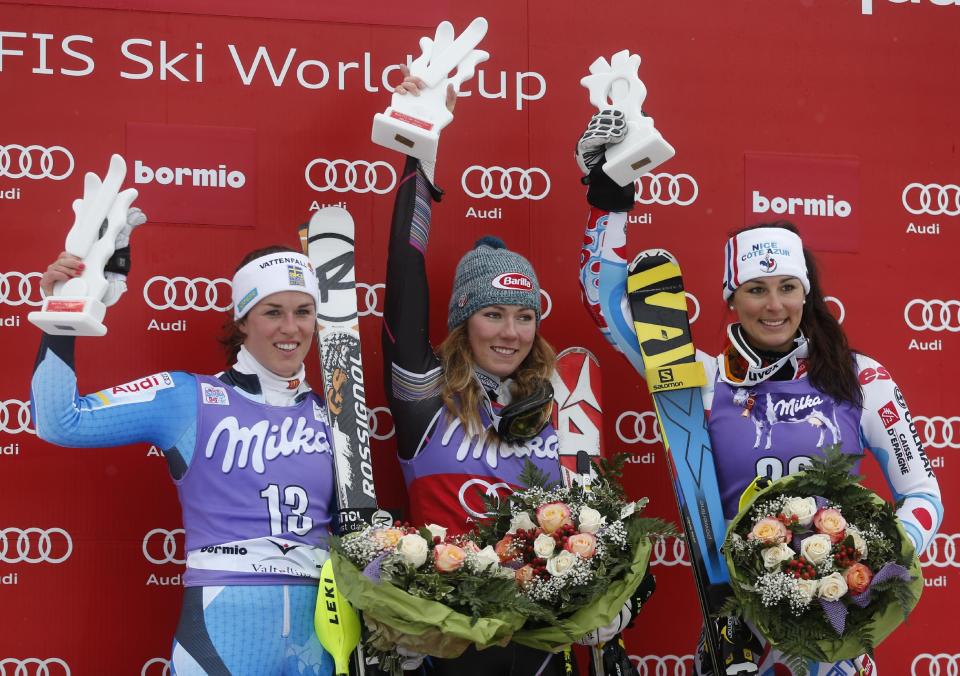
{"points": [[512, 281], [295, 276]]}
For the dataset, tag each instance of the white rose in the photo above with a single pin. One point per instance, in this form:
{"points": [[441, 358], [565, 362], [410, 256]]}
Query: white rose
{"points": [[802, 508], [544, 545], [808, 588], [521, 521], [561, 563], [816, 548], [590, 520], [858, 542], [486, 558], [413, 549], [774, 556], [436, 531], [832, 587]]}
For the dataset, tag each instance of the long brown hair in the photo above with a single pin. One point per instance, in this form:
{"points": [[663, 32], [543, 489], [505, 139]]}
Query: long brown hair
{"points": [[231, 333], [462, 393], [830, 366]]}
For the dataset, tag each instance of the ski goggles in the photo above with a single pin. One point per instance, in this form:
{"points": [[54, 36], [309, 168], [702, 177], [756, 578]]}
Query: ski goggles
{"points": [[523, 420]]}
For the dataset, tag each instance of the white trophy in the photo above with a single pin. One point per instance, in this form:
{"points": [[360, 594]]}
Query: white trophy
{"points": [[616, 85], [412, 124], [76, 307]]}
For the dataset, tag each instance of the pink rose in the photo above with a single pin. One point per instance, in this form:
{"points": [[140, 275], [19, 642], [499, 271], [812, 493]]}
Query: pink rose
{"points": [[553, 516], [505, 549], [448, 558], [524, 575], [830, 522], [582, 544], [770, 531], [858, 578]]}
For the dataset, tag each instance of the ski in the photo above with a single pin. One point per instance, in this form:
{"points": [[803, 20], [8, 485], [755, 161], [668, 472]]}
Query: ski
{"points": [[329, 243], [674, 378]]}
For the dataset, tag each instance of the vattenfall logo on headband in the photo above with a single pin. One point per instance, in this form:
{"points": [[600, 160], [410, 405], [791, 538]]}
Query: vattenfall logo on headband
{"points": [[192, 174], [818, 194]]}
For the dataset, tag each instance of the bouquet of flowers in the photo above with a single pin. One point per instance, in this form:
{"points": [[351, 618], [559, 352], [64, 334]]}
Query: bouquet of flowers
{"points": [[578, 553], [428, 591], [821, 565]]}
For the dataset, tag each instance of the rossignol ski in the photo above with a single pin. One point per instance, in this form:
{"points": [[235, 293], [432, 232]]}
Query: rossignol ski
{"points": [[674, 377], [329, 243]]}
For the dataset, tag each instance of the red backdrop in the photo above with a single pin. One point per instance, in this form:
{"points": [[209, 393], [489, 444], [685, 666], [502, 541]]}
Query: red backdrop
{"points": [[849, 101]]}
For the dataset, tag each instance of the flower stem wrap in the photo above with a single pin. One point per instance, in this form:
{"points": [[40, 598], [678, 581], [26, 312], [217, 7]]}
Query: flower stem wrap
{"points": [[838, 644], [421, 625], [558, 637]]}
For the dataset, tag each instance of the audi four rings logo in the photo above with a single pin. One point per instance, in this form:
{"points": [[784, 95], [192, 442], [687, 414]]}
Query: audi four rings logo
{"points": [[942, 552], [17, 288], [513, 183], [663, 665], [350, 176], [33, 666], [841, 311], [932, 315], [184, 293], [35, 545], [371, 299], [15, 417], [932, 198], [669, 552], [939, 431], [374, 422], [665, 189], [696, 307], [155, 667], [163, 546], [634, 427], [36, 162], [547, 304], [941, 664]]}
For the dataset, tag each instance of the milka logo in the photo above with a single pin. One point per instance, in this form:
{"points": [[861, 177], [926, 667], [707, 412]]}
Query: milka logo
{"points": [[491, 451], [791, 407], [263, 442]]}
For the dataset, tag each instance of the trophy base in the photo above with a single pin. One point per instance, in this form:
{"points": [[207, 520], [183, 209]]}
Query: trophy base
{"points": [[406, 134], [64, 316], [633, 157]]}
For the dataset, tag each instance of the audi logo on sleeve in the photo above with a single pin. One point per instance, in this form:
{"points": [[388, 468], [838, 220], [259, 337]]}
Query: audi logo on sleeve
{"points": [[932, 199], [932, 315], [939, 431], [35, 162], [186, 293], [162, 546], [35, 545], [20, 288], [15, 417], [666, 189], [515, 183], [34, 666], [357, 176], [638, 427]]}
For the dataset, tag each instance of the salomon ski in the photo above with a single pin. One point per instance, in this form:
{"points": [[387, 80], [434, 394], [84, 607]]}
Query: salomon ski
{"points": [[674, 377]]}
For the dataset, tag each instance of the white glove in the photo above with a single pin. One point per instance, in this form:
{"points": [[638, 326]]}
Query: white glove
{"points": [[116, 281], [606, 128], [602, 635]]}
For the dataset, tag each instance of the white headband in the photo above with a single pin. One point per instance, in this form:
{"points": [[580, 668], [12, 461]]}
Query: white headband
{"points": [[763, 252], [280, 271]]}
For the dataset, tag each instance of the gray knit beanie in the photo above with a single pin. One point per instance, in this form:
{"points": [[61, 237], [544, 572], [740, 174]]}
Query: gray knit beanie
{"points": [[491, 274]]}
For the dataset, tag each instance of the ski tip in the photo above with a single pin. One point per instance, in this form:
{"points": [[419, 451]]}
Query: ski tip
{"points": [[650, 258]]}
